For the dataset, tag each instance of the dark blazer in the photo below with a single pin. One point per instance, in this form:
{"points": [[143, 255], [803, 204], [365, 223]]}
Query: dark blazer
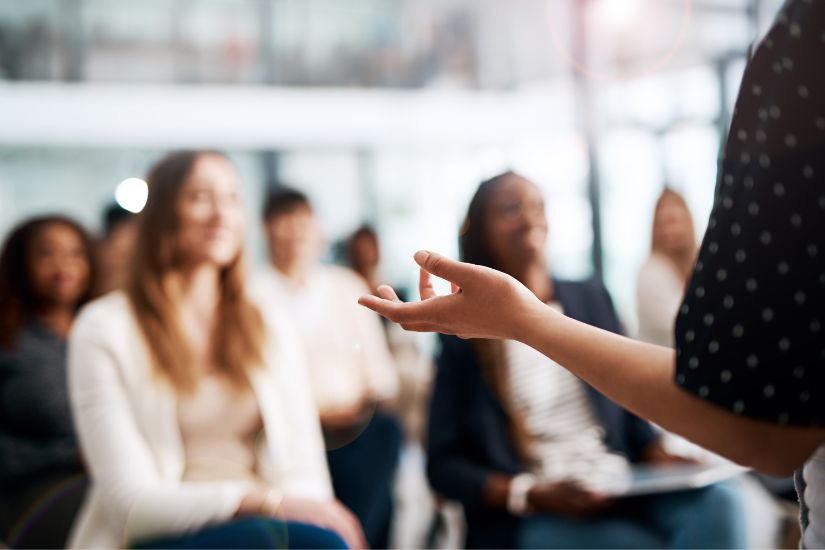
{"points": [[468, 436]]}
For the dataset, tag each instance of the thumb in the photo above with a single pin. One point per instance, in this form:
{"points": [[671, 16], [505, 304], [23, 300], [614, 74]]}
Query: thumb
{"points": [[443, 267]]}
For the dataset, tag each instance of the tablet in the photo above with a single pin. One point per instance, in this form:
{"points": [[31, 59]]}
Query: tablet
{"points": [[666, 478]]}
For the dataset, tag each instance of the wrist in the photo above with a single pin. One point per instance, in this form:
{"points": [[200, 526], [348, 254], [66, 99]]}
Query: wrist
{"points": [[534, 323], [518, 496]]}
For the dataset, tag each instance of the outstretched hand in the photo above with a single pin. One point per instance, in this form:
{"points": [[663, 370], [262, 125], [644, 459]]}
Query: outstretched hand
{"points": [[484, 303]]}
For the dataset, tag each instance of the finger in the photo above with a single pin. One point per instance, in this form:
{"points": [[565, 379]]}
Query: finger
{"points": [[387, 292], [382, 306], [594, 503], [445, 268], [358, 530], [336, 523], [359, 539], [569, 487], [349, 535], [355, 533], [411, 312], [454, 288], [425, 285], [422, 327]]}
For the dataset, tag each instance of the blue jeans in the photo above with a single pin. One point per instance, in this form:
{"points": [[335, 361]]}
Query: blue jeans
{"points": [[363, 472], [253, 533], [712, 517]]}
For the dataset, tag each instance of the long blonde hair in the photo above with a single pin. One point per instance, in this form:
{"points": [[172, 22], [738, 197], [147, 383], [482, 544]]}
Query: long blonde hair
{"points": [[240, 329]]}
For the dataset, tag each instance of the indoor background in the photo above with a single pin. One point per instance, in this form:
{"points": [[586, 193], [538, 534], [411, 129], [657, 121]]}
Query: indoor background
{"points": [[383, 111]]}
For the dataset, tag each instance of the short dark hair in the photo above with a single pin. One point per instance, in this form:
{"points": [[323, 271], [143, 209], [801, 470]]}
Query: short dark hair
{"points": [[283, 200], [364, 231], [114, 216]]}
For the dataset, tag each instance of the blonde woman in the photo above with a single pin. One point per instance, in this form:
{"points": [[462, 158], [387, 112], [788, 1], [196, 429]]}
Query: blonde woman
{"points": [[665, 274], [193, 411]]}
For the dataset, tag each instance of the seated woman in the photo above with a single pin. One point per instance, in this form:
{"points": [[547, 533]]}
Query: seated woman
{"points": [[664, 276], [523, 444], [46, 274], [193, 411]]}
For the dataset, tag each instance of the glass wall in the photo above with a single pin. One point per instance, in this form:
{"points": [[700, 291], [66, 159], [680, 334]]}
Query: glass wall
{"points": [[368, 43], [659, 131], [81, 183], [646, 89]]}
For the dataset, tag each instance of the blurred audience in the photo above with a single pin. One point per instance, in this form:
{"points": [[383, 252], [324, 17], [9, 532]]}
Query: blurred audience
{"points": [[415, 368], [523, 444], [116, 248], [663, 278], [193, 410], [364, 255], [352, 371], [46, 274], [198, 412]]}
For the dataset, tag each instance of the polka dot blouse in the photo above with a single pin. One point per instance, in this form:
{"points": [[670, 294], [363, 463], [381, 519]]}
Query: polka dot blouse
{"points": [[750, 335]]}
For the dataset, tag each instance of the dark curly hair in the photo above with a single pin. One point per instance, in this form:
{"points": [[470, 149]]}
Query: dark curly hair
{"points": [[19, 302]]}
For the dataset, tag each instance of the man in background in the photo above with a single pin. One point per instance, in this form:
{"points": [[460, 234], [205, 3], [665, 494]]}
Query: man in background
{"points": [[352, 371]]}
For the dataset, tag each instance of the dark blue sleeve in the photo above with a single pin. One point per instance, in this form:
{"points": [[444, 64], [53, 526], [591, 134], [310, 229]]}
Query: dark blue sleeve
{"points": [[451, 471], [602, 310], [22, 455]]}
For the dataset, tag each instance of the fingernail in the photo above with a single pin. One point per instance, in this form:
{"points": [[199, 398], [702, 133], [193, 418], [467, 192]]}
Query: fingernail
{"points": [[421, 256]]}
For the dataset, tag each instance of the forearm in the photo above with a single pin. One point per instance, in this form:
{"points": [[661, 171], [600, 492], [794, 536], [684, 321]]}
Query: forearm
{"points": [[458, 478], [490, 304], [175, 509], [640, 377]]}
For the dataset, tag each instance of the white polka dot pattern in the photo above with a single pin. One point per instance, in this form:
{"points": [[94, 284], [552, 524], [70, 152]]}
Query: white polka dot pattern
{"points": [[750, 331]]}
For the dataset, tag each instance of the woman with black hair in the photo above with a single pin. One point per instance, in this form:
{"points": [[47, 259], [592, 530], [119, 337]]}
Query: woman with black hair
{"points": [[526, 446], [46, 274]]}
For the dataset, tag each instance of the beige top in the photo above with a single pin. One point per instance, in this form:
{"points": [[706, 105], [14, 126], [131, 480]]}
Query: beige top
{"points": [[219, 428]]}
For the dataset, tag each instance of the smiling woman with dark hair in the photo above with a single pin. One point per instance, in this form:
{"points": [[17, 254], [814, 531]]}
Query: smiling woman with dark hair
{"points": [[46, 274], [524, 444]]}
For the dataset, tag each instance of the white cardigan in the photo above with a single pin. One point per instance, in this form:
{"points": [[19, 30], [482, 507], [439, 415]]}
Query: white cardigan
{"points": [[126, 418]]}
